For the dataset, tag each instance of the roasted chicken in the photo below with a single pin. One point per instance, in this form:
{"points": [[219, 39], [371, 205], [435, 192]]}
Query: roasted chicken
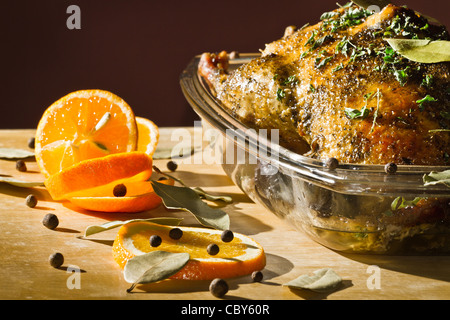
{"points": [[338, 90]]}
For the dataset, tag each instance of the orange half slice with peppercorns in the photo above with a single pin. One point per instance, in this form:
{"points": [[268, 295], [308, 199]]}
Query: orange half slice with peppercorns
{"points": [[83, 125], [240, 257]]}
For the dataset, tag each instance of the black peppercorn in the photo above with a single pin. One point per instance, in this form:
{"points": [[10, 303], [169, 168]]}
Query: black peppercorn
{"points": [[31, 143], [31, 201], [218, 288], [56, 260], [227, 236], [391, 168], [50, 221], [332, 163], [120, 190], [155, 241], [257, 276], [172, 166], [21, 166], [176, 234], [213, 249]]}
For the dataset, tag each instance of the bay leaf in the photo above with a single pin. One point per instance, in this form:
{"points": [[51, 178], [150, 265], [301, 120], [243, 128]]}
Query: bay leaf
{"points": [[323, 281], [20, 183], [15, 154], [168, 221], [211, 197], [401, 203], [166, 153], [153, 267], [435, 178], [368, 3], [422, 51], [186, 199], [202, 193]]}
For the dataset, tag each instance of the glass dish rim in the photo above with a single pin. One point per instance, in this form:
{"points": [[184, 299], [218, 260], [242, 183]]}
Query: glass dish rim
{"points": [[408, 180]]}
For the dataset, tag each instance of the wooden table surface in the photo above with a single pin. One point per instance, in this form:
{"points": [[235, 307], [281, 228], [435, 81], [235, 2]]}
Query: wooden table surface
{"points": [[25, 245]]}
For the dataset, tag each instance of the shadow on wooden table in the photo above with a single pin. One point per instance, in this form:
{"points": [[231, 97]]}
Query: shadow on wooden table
{"points": [[276, 266], [183, 286], [157, 212], [40, 192], [193, 179], [173, 286], [432, 267]]}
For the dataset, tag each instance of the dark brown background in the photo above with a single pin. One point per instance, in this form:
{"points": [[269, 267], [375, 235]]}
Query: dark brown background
{"points": [[136, 49]]}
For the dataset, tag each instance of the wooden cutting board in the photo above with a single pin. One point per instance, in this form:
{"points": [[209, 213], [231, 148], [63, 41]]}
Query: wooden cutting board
{"points": [[89, 271]]}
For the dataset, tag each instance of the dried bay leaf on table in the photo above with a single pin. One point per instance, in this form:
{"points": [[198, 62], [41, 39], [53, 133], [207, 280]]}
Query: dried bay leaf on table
{"points": [[183, 198], [153, 267], [20, 183], [422, 51], [168, 153], [15, 154], [202, 193], [322, 281]]}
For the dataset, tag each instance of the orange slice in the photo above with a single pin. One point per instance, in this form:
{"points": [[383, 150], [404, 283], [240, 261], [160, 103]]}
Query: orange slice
{"points": [[84, 125], [237, 258], [148, 135], [90, 176], [140, 197]]}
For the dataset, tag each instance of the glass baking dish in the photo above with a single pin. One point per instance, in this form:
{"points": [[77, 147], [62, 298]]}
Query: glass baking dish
{"points": [[353, 208]]}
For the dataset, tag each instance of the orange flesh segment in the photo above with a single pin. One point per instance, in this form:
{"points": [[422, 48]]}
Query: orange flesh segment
{"points": [[194, 243], [67, 133], [75, 125], [148, 135]]}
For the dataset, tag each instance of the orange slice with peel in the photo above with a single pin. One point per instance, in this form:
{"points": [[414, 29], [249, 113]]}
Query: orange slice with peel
{"points": [[240, 257], [90, 176], [83, 125], [139, 197], [148, 135]]}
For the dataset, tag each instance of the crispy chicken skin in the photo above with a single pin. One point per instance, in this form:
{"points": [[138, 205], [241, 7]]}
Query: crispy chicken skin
{"points": [[338, 90]]}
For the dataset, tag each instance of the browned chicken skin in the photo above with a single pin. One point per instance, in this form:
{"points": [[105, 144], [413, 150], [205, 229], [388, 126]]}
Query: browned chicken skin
{"points": [[337, 89]]}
